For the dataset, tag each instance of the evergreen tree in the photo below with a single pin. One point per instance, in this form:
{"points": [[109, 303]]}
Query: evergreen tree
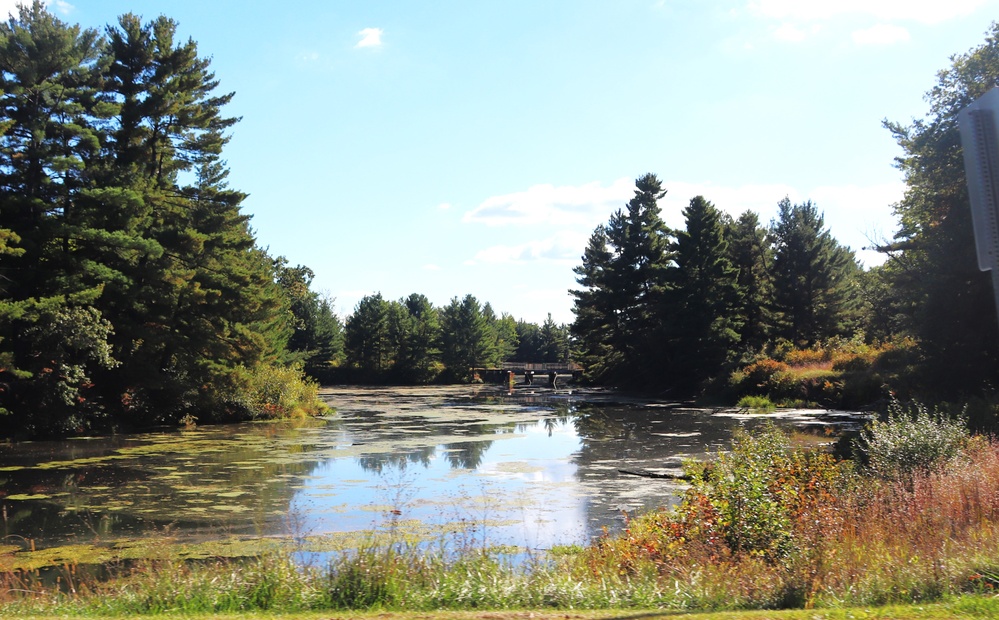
{"points": [[400, 326], [529, 345], [466, 340], [703, 300], [419, 362], [624, 275], [594, 311], [51, 342], [504, 335], [815, 279], [317, 340], [120, 234], [490, 356], [368, 340], [750, 253], [887, 313], [199, 303], [554, 342]]}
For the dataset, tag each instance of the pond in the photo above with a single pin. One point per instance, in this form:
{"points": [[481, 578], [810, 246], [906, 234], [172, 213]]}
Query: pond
{"points": [[532, 467]]}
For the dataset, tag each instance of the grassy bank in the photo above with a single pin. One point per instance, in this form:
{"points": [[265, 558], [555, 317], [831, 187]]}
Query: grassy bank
{"points": [[963, 607], [915, 520]]}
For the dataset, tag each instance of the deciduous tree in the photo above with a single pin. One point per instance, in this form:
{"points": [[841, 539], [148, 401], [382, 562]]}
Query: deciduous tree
{"points": [[932, 262]]}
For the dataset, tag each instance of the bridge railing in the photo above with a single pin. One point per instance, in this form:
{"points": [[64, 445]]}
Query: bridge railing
{"points": [[541, 367]]}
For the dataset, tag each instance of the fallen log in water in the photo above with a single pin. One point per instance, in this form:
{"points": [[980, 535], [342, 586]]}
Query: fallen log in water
{"points": [[654, 474]]}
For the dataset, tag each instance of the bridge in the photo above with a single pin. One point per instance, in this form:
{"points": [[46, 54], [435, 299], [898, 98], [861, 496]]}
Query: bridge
{"points": [[548, 372], [562, 368]]}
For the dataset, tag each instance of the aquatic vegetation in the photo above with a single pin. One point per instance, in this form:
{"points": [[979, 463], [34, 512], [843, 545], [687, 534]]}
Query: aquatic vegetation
{"points": [[245, 500], [763, 525], [756, 404]]}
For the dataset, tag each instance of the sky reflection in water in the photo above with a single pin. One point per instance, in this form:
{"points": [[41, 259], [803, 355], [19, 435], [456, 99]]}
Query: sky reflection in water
{"points": [[534, 468], [522, 491]]}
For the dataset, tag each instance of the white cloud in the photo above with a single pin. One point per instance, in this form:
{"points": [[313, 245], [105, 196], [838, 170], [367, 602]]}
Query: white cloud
{"points": [[444, 206], [562, 218], [881, 34], [9, 7], [564, 247], [790, 33], [583, 205], [309, 56], [924, 11], [431, 267], [370, 37], [858, 216]]}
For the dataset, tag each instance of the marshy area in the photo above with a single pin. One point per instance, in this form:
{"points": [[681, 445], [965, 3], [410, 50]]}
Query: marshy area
{"points": [[473, 497]]}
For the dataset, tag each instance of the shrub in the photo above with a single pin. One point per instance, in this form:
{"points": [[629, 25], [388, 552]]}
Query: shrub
{"points": [[756, 497], [741, 491], [911, 441], [759, 404], [763, 370], [853, 362], [273, 391], [822, 388], [808, 357], [767, 377]]}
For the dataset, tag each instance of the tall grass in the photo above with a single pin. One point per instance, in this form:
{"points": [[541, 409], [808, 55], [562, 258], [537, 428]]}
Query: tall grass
{"points": [[772, 527], [763, 526]]}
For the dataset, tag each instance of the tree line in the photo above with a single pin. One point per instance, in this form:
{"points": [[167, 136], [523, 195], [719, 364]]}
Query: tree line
{"points": [[412, 341], [683, 311], [674, 308]]}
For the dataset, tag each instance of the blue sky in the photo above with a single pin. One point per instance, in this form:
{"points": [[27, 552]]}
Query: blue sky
{"points": [[460, 147]]}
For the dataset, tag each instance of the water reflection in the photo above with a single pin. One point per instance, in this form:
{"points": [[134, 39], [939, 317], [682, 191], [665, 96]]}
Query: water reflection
{"points": [[532, 469]]}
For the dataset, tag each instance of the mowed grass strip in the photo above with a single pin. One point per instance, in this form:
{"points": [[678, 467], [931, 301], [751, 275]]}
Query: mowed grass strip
{"points": [[970, 606]]}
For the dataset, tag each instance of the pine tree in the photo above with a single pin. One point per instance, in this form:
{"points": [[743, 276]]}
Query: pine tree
{"points": [[503, 336], [815, 278], [317, 339], [199, 303], [51, 342], [466, 340], [624, 275], [368, 341], [420, 362], [554, 342], [594, 311], [704, 298], [529, 346], [750, 252], [117, 226]]}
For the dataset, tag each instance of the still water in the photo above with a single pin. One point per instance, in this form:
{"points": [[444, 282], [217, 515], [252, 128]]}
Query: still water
{"points": [[532, 468]]}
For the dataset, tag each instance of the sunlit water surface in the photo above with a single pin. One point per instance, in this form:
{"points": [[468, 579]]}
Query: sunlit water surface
{"points": [[532, 468]]}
